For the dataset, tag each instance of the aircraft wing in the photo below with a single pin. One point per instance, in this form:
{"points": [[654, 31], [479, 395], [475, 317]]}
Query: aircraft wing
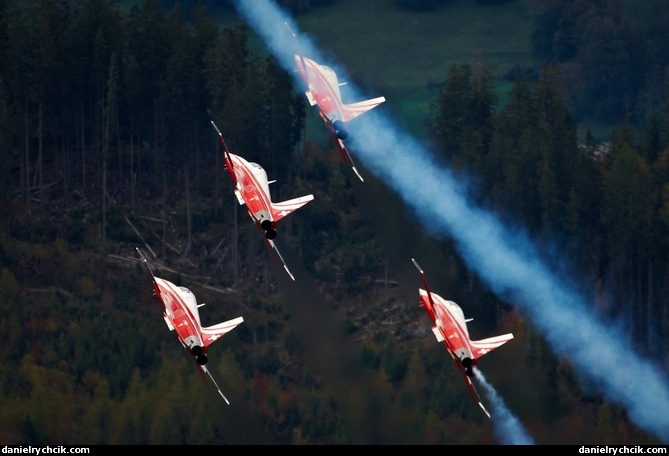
{"points": [[202, 369], [302, 66], [475, 395], [343, 150], [156, 288], [228, 161], [345, 155], [213, 333], [428, 303], [472, 391]]}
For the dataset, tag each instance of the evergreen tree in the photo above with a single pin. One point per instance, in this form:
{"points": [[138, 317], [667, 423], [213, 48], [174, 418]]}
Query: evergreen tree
{"points": [[94, 34], [511, 172], [451, 114], [559, 148], [626, 188]]}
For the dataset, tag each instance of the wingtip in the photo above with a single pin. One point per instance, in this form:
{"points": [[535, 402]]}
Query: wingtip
{"points": [[289, 273], [225, 398], [218, 388], [484, 410], [358, 174], [216, 128], [283, 262], [142, 257]]}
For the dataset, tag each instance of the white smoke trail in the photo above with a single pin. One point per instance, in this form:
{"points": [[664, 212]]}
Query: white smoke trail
{"points": [[508, 429], [505, 259]]}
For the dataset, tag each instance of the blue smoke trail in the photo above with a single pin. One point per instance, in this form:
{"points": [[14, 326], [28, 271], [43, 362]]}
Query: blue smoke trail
{"points": [[507, 427], [506, 259]]}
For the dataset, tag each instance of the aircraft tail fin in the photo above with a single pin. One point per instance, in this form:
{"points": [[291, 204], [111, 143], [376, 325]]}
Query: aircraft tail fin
{"points": [[353, 110], [280, 210], [481, 347], [215, 332], [156, 288]]}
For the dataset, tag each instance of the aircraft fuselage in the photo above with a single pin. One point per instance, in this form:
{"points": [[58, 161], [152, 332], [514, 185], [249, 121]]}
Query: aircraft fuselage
{"points": [[253, 189], [181, 312]]}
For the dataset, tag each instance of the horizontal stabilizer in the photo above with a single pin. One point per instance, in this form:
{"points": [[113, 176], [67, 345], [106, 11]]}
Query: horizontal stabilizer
{"points": [[353, 110], [215, 332], [280, 210], [481, 347]]}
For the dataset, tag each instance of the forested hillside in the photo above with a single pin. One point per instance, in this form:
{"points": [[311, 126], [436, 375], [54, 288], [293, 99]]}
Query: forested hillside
{"points": [[106, 145]]}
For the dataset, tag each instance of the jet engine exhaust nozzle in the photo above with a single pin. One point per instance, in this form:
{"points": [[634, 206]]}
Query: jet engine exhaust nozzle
{"points": [[468, 364], [266, 225], [201, 359], [270, 233], [196, 350], [339, 129]]}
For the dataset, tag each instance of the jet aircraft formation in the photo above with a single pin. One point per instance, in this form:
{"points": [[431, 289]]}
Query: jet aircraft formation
{"points": [[251, 188]]}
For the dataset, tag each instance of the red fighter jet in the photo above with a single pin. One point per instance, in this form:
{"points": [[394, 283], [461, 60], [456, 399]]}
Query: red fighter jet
{"points": [[252, 190], [323, 91], [450, 327], [181, 315]]}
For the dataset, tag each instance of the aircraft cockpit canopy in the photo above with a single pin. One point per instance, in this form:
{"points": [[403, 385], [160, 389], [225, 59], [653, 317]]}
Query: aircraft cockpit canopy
{"points": [[189, 297]]}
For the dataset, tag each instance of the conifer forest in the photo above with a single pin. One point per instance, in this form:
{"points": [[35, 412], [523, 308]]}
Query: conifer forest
{"points": [[106, 145]]}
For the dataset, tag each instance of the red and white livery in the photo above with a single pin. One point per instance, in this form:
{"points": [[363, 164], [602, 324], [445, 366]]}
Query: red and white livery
{"points": [[450, 327], [252, 190], [323, 91], [180, 311]]}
